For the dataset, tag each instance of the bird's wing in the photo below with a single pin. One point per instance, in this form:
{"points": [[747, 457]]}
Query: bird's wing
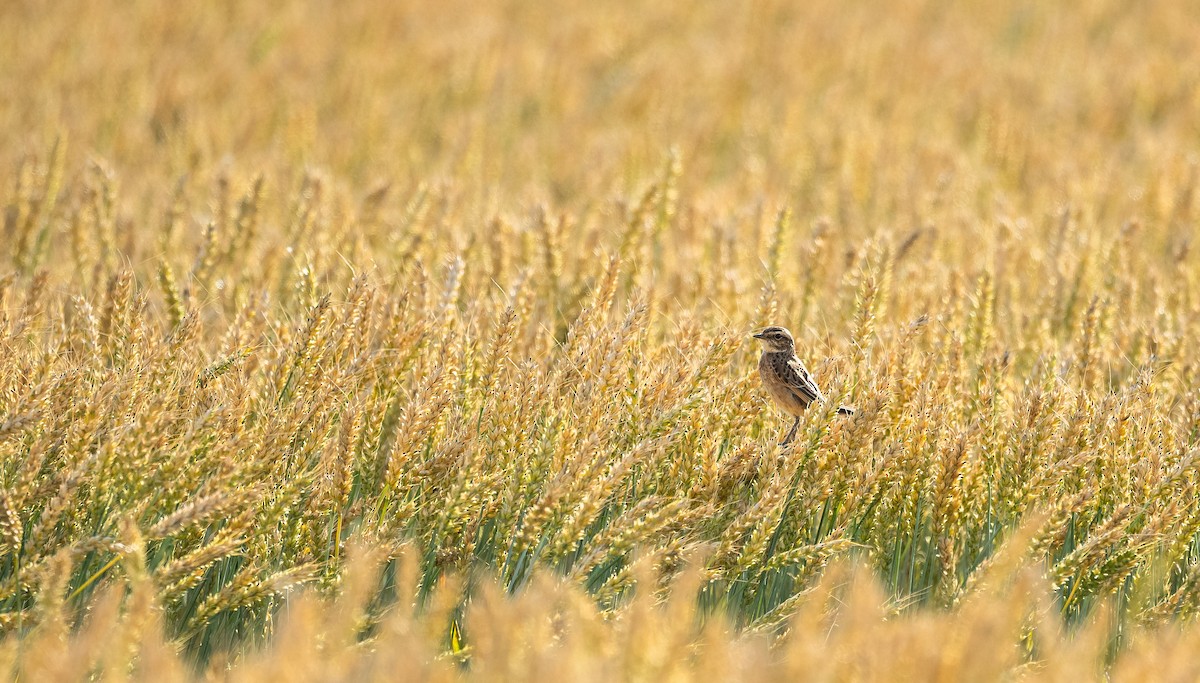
{"points": [[796, 377]]}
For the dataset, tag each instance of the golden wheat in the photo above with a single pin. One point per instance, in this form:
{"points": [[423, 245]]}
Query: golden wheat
{"points": [[470, 286]]}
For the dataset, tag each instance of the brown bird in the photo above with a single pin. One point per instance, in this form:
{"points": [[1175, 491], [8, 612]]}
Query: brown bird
{"points": [[785, 377]]}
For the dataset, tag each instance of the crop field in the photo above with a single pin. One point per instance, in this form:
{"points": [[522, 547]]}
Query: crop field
{"points": [[375, 340]]}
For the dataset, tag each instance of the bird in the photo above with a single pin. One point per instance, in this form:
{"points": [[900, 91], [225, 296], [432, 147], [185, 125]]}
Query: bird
{"points": [[786, 379]]}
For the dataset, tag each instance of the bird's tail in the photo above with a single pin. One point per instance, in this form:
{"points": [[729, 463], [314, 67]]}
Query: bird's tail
{"points": [[845, 410]]}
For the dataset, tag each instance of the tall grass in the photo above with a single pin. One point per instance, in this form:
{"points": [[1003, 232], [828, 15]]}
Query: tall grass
{"points": [[476, 281]]}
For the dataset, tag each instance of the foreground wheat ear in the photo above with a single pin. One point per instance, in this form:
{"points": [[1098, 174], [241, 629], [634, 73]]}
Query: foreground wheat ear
{"points": [[786, 379]]}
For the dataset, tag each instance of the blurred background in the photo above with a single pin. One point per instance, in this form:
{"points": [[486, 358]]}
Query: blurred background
{"points": [[858, 110]]}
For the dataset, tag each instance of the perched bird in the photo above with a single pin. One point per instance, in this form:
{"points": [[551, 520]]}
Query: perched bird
{"points": [[785, 377]]}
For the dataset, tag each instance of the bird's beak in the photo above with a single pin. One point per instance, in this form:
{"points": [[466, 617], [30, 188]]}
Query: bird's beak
{"points": [[758, 335]]}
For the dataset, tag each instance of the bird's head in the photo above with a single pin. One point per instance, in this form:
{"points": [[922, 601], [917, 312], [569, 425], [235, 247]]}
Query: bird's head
{"points": [[776, 339]]}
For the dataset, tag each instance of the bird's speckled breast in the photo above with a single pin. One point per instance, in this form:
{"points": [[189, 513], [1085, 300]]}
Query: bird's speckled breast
{"points": [[771, 368]]}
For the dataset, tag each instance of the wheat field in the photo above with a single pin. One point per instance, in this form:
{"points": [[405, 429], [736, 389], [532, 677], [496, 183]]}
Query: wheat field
{"points": [[410, 341]]}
